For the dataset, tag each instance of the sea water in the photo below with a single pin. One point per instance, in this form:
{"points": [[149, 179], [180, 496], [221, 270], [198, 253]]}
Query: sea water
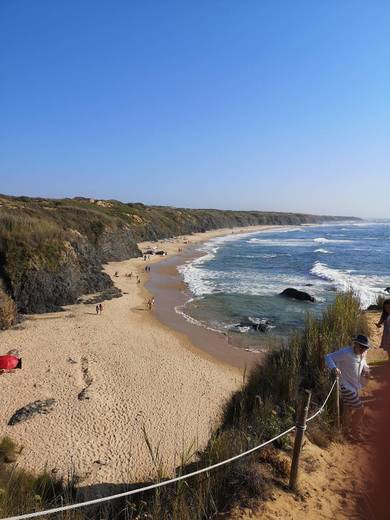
{"points": [[236, 280]]}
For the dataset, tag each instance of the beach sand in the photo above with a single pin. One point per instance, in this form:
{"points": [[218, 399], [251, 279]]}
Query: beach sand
{"points": [[115, 378]]}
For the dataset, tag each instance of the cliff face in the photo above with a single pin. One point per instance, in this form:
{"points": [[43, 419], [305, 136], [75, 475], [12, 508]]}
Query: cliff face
{"points": [[50, 257], [42, 286], [52, 251]]}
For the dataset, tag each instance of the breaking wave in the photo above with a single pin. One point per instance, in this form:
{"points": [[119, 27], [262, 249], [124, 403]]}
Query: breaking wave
{"points": [[367, 288]]}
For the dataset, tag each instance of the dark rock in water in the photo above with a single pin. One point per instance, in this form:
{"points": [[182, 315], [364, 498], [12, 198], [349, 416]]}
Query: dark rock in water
{"points": [[308, 285], [387, 290], [32, 409], [260, 326], [374, 307], [297, 295]]}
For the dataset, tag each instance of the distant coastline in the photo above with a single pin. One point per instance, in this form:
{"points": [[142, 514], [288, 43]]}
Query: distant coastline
{"points": [[52, 250]]}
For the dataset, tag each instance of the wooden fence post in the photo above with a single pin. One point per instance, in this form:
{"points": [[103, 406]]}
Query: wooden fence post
{"points": [[299, 434], [338, 422]]}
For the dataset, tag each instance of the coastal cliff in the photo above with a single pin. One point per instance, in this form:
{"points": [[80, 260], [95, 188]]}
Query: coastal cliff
{"points": [[52, 251]]}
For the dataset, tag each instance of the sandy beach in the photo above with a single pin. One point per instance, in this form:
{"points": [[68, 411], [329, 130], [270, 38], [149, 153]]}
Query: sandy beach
{"points": [[114, 378]]}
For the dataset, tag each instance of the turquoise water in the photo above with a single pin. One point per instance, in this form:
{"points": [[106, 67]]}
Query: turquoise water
{"points": [[237, 279]]}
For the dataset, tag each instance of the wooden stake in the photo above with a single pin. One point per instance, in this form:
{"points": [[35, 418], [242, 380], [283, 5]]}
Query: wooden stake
{"points": [[299, 434], [338, 422]]}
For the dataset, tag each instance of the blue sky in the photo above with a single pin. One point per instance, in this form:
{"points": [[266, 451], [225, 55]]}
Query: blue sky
{"points": [[269, 105]]}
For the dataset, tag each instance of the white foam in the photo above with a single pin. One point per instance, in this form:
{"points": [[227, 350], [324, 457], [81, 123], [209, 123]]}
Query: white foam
{"points": [[324, 251], [278, 242], [296, 242], [323, 240], [179, 309], [367, 288]]}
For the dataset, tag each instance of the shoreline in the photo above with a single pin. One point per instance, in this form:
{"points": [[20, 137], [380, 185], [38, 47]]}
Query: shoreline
{"points": [[111, 377], [167, 285]]}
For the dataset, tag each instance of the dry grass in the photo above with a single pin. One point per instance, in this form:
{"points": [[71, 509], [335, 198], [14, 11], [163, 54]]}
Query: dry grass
{"points": [[8, 311]]}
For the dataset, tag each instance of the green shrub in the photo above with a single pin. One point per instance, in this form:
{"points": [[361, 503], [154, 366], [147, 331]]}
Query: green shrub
{"points": [[8, 312]]}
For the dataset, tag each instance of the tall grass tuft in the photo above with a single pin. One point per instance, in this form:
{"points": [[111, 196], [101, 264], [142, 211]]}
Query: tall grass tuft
{"points": [[8, 311], [22, 491]]}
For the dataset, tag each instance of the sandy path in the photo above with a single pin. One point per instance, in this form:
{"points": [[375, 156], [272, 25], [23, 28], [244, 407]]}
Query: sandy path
{"points": [[335, 483], [135, 373]]}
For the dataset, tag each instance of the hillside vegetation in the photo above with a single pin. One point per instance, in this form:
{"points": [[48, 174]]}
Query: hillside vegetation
{"points": [[52, 251]]}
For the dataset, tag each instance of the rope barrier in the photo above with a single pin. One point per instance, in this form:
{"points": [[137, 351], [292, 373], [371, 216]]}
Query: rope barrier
{"points": [[322, 407], [165, 482]]}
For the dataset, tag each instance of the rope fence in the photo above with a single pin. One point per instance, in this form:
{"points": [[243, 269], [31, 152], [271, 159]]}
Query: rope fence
{"points": [[176, 479]]}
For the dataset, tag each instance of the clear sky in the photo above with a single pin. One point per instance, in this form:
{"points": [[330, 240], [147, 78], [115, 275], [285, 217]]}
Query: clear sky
{"points": [[245, 104]]}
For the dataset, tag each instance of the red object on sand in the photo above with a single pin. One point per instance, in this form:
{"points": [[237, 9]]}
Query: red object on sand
{"points": [[8, 362]]}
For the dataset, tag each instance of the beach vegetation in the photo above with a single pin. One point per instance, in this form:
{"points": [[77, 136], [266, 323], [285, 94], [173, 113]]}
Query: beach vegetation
{"points": [[22, 490], [8, 311]]}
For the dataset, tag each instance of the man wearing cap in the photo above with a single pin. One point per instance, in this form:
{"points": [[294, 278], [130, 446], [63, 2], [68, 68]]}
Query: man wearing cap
{"points": [[350, 364]]}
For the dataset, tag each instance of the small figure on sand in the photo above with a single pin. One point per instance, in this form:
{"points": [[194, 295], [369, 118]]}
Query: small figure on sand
{"points": [[150, 303], [146, 267], [8, 363], [100, 308], [144, 258], [349, 364], [116, 274], [97, 309], [385, 321], [138, 279]]}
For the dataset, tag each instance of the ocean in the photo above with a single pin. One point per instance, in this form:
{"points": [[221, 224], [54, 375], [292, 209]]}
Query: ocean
{"points": [[234, 283]]}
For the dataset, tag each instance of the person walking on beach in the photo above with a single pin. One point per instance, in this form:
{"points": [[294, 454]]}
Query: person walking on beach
{"points": [[385, 321], [97, 309], [100, 308], [350, 364]]}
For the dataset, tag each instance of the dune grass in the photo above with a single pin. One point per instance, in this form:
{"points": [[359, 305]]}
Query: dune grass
{"points": [[22, 491]]}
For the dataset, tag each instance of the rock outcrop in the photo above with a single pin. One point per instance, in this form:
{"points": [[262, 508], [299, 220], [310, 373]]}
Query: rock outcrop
{"points": [[295, 294], [32, 409]]}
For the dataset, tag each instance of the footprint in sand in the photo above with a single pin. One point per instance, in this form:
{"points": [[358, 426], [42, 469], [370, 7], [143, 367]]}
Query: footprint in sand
{"points": [[87, 380]]}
